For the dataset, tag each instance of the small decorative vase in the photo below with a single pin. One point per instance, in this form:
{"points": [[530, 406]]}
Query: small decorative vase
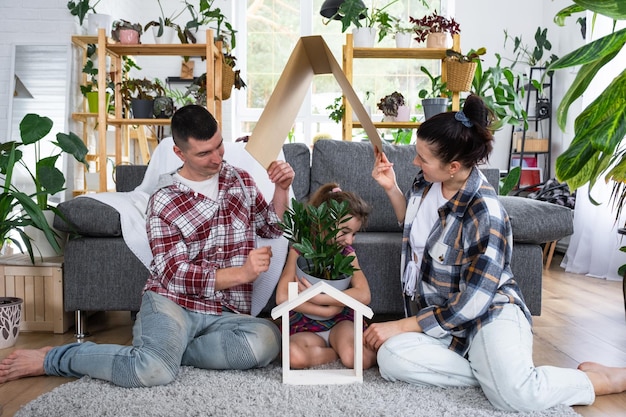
{"points": [[340, 284], [403, 40], [364, 37], [437, 40], [10, 317]]}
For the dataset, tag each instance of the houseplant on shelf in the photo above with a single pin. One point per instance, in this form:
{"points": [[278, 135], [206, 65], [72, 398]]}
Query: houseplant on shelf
{"points": [[435, 29], [138, 96], [461, 68], [351, 12], [90, 89], [126, 32], [394, 107], [165, 28], [402, 32], [434, 99], [313, 232], [18, 209]]}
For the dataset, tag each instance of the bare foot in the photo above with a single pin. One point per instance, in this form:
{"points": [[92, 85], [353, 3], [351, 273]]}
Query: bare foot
{"points": [[605, 379], [22, 363]]}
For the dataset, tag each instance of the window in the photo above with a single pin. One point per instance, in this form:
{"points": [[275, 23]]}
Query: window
{"points": [[270, 29]]}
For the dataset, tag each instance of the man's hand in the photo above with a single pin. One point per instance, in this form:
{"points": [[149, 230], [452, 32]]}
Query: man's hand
{"points": [[258, 261], [281, 174]]}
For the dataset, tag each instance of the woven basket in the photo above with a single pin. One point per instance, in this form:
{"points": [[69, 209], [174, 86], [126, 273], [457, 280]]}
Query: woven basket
{"points": [[460, 75], [228, 81]]}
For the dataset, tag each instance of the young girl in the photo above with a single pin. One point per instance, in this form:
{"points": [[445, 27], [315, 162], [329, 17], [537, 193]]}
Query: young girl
{"points": [[316, 342]]}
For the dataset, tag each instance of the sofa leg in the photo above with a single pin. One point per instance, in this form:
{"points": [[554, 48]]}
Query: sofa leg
{"points": [[81, 325]]}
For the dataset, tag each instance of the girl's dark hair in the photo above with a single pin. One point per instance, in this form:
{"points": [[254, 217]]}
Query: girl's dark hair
{"points": [[192, 121], [330, 191], [460, 136]]}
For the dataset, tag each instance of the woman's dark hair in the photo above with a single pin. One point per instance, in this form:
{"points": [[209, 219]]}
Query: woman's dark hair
{"points": [[192, 121], [462, 136], [330, 191]]}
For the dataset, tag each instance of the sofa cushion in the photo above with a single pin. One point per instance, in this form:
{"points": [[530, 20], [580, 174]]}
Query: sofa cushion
{"points": [[88, 217], [299, 157], [535, 221], [350, 165]]}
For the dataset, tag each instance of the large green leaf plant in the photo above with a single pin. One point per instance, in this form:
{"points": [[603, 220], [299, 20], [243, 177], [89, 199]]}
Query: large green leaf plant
{"points": [[19, 209], [597, 150]]}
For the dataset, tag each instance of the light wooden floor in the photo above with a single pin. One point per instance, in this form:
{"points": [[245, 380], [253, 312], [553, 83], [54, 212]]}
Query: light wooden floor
{"points": [[582, 319]]}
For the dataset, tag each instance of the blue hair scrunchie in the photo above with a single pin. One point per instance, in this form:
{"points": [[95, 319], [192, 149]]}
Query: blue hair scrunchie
{"points": [[461, 117]]}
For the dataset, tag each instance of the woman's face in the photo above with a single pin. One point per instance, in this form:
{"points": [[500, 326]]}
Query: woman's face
{"points": [[348, 231], [432, 167]]}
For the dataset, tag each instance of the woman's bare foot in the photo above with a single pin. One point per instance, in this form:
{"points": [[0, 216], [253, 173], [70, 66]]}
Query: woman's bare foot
{"points": [[605, 379], [22, 363]]}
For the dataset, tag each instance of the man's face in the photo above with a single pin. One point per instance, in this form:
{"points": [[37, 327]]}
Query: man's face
{"points": [[202, 158]]}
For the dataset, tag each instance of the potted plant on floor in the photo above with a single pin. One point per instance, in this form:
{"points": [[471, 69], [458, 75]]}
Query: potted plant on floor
{"points": [[434, 98], [18, 209], [313, 232], [10, 317], [435, 29]]}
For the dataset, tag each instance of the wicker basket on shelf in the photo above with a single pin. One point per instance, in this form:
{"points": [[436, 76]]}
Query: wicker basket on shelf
{"points": [[228, 81], [460, 75]]}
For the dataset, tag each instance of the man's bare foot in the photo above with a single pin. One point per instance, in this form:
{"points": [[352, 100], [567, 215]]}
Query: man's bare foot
{"points": [[22, 363], [605, 379]]}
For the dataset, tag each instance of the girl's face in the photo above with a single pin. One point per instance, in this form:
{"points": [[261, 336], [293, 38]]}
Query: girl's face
{"points": [[348, 232], [432, 167]]}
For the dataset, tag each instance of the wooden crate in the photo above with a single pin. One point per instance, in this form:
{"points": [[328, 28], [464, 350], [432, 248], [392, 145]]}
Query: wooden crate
{"points": [[532, 142], [41, 288]]}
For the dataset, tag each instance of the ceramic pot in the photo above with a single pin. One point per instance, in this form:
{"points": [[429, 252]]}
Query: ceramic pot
{"points": [[364, 37], [404, 114], [10, 317], [403, 40], [167, 37], [97, 21], [437, 40], [340, 284], [92, 101], [433, 106], [142, 108], [128, 36]]}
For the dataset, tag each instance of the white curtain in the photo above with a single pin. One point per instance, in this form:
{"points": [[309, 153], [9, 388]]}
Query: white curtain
{"points": [[594, 247]]}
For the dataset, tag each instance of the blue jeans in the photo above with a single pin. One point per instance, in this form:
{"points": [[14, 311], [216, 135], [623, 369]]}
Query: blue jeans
{"points": [[166, 336], [499, 361]]}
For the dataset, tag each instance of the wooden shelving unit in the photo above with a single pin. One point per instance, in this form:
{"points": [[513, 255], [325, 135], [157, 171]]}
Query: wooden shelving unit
{"points": [[350, 53], [106, 47]]}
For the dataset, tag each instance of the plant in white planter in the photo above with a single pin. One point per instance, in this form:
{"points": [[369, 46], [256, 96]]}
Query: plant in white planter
{"points": [[10, 317], [394, 107]]}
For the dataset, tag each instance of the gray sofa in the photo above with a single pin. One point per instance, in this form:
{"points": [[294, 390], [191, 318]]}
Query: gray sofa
{"points": [[101, 273]]}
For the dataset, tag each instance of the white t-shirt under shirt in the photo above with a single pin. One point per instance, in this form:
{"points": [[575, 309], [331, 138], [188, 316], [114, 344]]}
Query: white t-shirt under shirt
{"points": [[208, 188], [427, 216]]}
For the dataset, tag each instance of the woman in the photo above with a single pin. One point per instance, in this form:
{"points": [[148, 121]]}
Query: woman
{"points": [[467, 324]]}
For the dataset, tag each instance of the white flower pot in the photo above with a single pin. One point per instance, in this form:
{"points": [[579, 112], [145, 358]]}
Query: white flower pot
{"points": [[403, 40], [97, 21], [404, 114], [364, 37], [10, 317], [168, 36]]}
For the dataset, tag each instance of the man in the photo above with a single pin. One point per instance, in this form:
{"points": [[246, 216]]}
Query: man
{"points": [[202, 223]]}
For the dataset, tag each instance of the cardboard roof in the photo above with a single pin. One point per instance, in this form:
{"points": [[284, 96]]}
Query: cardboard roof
{"points": [[310, 57]]}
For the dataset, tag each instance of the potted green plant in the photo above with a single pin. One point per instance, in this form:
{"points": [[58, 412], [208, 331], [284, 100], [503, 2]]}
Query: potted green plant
{"points": [[19, 210], [461, 68], [90, 89], [138, 96], [434, 98], [126, 32], [80, 8], [165, 28], [351, 12], [394, 107], [531, 55], [596, 151], [403, 33], [313, 232], [435, 29]]}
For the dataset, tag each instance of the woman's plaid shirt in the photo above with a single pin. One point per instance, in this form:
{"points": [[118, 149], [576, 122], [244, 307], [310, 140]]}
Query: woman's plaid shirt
{"points": [[466, 275], [192, 236]]}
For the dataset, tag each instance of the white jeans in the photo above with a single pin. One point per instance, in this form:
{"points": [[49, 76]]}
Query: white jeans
{"points": [[500, 362]]}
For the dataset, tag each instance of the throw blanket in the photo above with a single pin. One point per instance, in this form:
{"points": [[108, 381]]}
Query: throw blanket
{"points": [[132, 208]]}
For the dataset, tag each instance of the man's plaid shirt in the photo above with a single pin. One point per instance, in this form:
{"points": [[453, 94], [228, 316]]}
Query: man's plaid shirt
{"points": [[465, 276], [192, 236]]}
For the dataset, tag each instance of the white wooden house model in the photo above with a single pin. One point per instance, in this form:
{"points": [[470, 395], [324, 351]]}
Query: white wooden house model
{"points": [[322, 376]]}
